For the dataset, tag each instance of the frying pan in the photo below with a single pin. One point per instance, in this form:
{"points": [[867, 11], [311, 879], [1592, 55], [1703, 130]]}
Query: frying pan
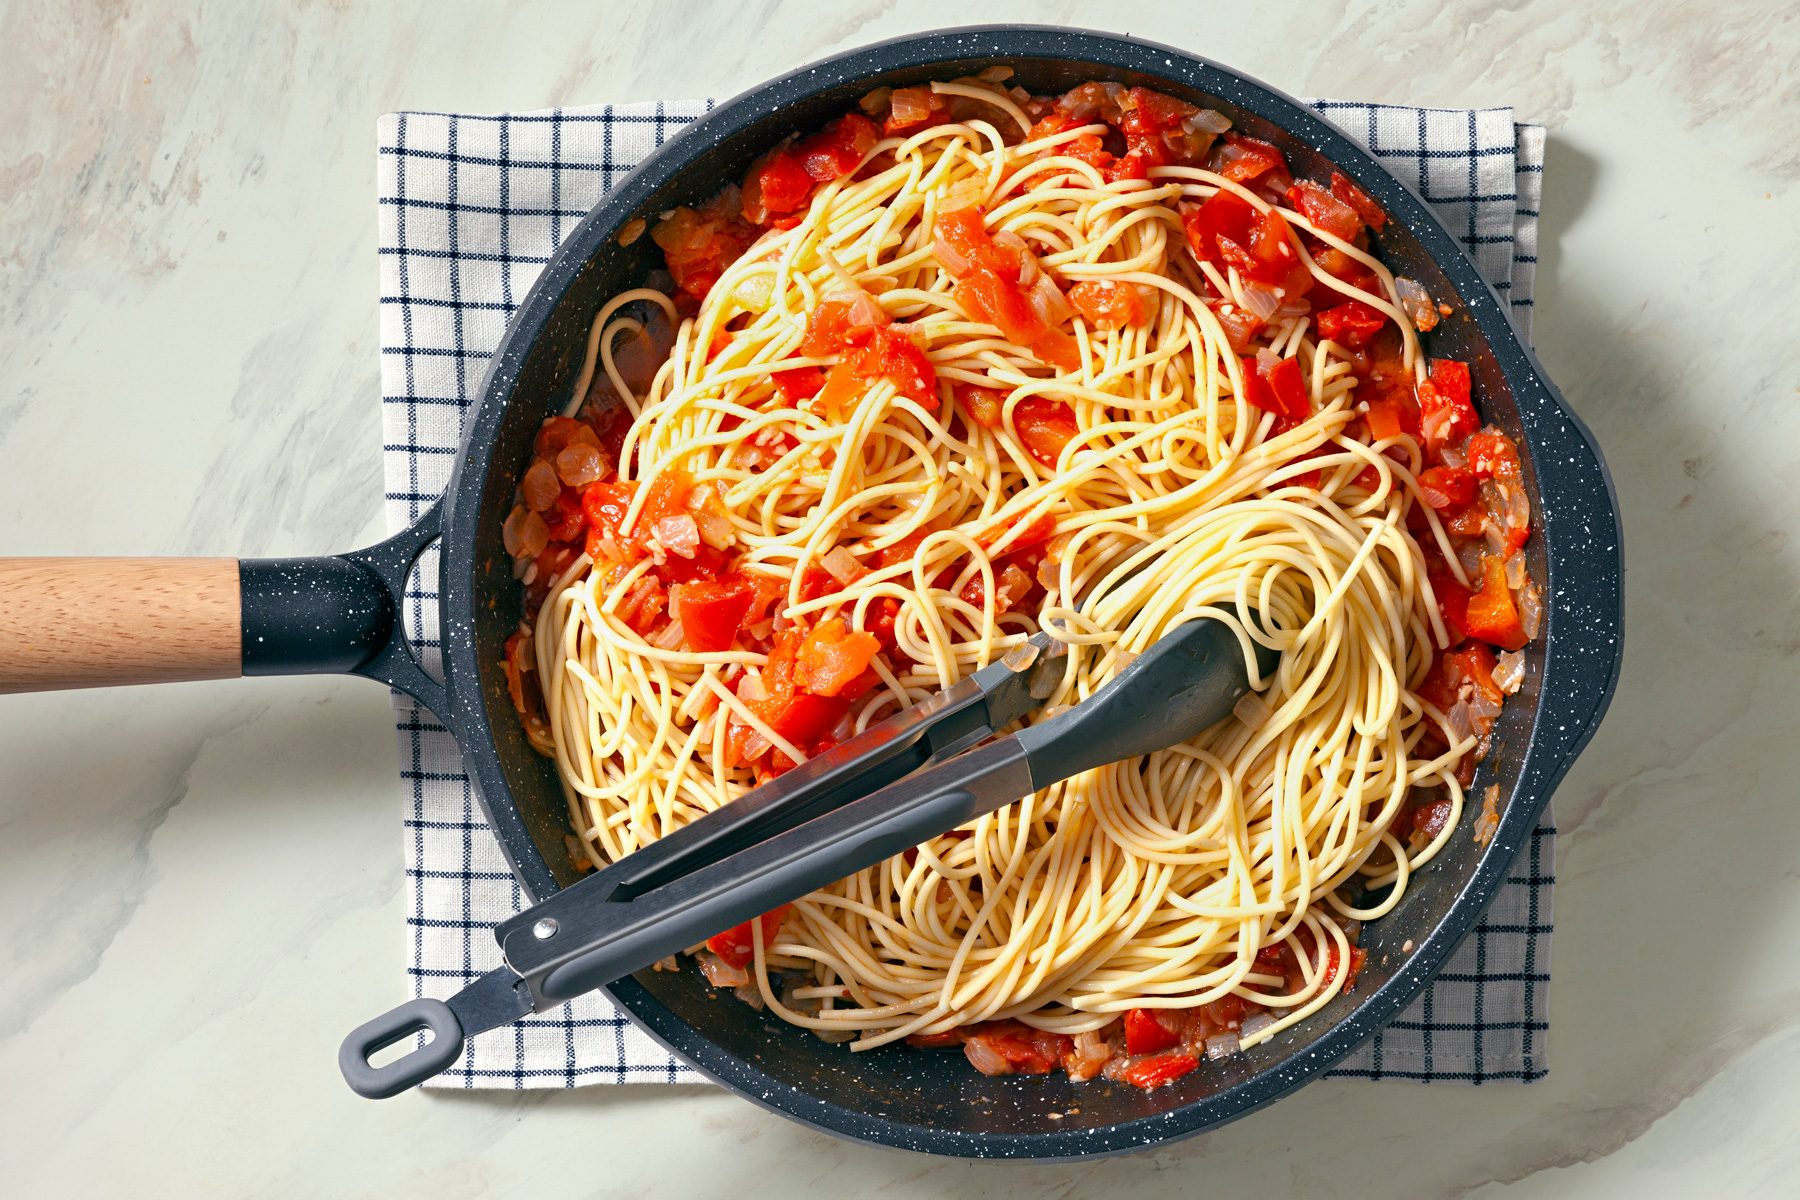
{"points": [[72, 622]]}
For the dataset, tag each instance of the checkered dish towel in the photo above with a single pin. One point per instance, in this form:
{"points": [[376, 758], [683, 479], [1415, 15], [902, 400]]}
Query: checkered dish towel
{"points": [[471, 209]]}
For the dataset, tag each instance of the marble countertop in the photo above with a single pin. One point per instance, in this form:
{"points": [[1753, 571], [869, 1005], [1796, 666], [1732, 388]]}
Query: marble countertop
{"points": [[200, 884]]}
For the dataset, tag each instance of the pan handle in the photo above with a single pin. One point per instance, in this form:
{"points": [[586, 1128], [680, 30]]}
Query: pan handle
{"points": [[102, 622]]}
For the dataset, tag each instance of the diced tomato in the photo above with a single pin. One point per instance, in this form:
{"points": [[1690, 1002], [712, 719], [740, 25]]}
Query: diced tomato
{"points": [[1347, 269], [1327, 213], [889, 354], [1452, 600], [1492, 615], [777, 183], [698, 245], [839, 148], [737, 945], [1390, 416], [1364, 205], [1446, 413], [832, 657], [1240, 324], [839, 325], [1107, 304], [1326, 976], [1227, 1012], [1351, 323], [898, 359], [1050, 126], [1159, 1071], [667, 497], [1492, 455], [1447, 487], [1245, 158], [1224, 215], [986, 405], [1280, 390], [1023, 1050], [565, 518], [963, 233], [1431, 818], [798, 384], [1045, 426], [605, 504], [1273, 257], [1040, 530], [1144, 1034], [988, 297], [710, 612]]}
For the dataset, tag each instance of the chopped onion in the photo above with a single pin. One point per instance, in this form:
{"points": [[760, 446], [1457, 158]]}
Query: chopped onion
{"points": [[835, 1035], [1417, 303], [1460, 721], [540, 487], [1261, 300], [1451, 457], [580, 464], [1517, 507], [1251, 709], [995, 74], [1468, 555], [1509, 671], [1254, 1025], [1090, 1054], [754, 291], [1012, 587], [1048, 573], [843, 565], [752, 995], [909, 106], [1496, 538], [1222, 1045], [1483, 708], [1352, 931], [875, 101], [949, 258], [865, 310], [665, 963], [1049, 303], [1531, 611], [984, 1058], [761, 630], [755, 745], [1515, 571], [524, 533], [678, 534], [715, 530], [720, 973], [1206, 120], [670, 637], [752, 688]]}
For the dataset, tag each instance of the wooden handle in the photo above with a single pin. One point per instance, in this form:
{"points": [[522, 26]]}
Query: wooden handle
{"points": [[100, 622]]}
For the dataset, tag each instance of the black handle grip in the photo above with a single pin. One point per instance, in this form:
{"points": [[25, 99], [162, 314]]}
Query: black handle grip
{"points": [[410, 1070], [339, 614]]}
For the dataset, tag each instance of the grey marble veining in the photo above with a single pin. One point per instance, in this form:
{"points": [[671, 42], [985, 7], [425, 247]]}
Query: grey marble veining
{"points": [[199, 885]]}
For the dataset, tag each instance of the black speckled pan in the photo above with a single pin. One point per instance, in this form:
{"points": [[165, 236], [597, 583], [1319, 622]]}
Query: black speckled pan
{"points": [[936, 1102]]}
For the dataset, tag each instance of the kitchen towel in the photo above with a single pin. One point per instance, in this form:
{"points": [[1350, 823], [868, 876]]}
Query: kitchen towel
{"points": [[471, 207]]}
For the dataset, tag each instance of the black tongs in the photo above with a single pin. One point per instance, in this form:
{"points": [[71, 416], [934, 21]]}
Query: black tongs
{"points": [[902, 782]]}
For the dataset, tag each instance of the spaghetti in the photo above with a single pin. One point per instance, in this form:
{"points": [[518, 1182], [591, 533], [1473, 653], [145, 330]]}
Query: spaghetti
{"points": [[976, 364]]}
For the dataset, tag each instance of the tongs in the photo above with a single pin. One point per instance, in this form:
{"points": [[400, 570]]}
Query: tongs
{"points": [[904, 781]]}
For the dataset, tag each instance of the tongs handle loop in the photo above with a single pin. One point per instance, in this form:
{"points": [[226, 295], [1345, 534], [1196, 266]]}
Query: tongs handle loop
{"points": [[372, 1037]]}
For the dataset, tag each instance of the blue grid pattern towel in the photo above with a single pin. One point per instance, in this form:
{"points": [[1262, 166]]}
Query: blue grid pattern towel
{"points": [[471, 208]]}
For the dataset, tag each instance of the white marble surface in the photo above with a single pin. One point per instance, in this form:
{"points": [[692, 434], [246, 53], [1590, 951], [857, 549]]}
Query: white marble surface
{"points": [[199, 885]]}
